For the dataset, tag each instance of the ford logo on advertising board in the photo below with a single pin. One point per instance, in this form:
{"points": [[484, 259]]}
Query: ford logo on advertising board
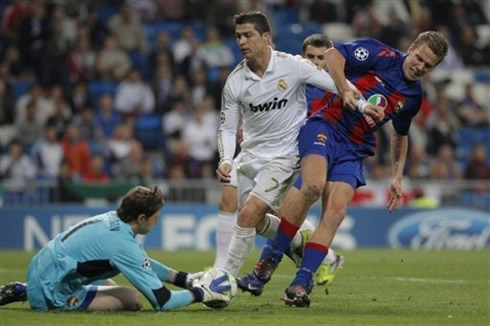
{"points": [[452, 228]]}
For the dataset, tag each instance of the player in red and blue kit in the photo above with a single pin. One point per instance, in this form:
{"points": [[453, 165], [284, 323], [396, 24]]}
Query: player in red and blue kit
{"points": [[337, 138]]}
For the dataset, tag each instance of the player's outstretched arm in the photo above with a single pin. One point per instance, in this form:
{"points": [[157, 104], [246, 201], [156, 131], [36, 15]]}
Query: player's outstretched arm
{"points": [[335, 66], [399, 148], [178, 278]]}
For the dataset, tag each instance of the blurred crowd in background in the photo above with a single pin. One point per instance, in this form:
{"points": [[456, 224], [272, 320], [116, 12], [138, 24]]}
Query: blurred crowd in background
{"points": [[99, 91]]}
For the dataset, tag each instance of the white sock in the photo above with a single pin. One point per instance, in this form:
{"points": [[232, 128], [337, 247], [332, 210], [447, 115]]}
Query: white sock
{"points": [[330, 257], [307, 225], [271, 225], [297, 240], [241, 245], [224, 232]]}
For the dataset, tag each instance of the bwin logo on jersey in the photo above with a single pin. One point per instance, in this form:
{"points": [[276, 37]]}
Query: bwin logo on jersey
{"points": [[275, 104], [361, 53]]}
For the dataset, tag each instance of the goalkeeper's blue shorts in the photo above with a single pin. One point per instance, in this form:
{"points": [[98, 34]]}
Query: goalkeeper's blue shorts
{"points": [[46, 294]]}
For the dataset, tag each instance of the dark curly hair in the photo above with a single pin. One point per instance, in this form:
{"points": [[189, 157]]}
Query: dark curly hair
{"points": [[140, 200], [256, 18]]}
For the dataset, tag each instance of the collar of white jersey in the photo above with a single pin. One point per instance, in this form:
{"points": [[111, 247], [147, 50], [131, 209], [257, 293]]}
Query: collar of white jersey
{"points": [[249, 74]]}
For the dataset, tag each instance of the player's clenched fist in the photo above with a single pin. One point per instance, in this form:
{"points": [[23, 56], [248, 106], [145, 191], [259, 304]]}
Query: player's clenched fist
{"points": [[351, 97], [375, 112], [224, 172]]}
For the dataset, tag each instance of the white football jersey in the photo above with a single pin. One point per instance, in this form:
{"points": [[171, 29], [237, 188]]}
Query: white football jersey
{"points": [[272, 107]]}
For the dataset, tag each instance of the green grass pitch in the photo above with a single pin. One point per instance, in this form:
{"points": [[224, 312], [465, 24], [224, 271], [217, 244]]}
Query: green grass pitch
{"points": [[376, 287]]}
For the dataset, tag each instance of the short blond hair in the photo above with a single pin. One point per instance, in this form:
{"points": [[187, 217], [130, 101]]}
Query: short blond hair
{"points": [[436, 41]]}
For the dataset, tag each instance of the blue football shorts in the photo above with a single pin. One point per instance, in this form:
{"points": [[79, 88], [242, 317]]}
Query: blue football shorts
{"points": [[45, 293], [317, 136]]}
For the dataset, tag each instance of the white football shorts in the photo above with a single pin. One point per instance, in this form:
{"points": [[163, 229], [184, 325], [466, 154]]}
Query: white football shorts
{"points": [[266, 179]]}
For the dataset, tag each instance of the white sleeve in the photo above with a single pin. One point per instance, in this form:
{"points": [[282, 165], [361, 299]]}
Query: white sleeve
{"points": [[318, 77], [229, 118], [315, 76]]}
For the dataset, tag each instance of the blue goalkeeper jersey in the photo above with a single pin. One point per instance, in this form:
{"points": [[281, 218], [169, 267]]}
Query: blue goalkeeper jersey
{"points": [[99, 248]]}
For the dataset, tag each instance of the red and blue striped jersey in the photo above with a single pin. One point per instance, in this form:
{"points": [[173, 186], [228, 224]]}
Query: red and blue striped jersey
{"points": [[315, 99], [377, 71]]}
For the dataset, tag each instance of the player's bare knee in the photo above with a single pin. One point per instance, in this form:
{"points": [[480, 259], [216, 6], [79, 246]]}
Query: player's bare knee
{"points": [[228, 207], [247, 219], [135, 301], [337, 211], [312, 192]]}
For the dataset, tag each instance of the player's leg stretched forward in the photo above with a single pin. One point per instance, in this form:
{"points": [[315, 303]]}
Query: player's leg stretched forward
{"points": [[228, 211], [332, 263], [116, 297], [107, 297], [340, 195], [325, 273], [293, 213]]}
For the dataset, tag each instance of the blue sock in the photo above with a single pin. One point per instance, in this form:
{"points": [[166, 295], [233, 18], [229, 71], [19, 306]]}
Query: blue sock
{"points": [[281, 243], [313, 256], [19, 287], [269, 243], [284, 236]]}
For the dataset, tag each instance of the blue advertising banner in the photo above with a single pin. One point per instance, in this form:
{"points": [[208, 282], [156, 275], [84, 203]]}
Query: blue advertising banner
{"points": [[194, 226]]}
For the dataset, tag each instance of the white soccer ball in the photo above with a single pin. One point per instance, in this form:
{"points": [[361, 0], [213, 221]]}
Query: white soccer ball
{"points": [[219, 280]]}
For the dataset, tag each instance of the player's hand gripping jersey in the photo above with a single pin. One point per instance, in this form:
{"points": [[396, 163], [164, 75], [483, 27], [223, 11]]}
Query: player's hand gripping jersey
{"points": [[272, 107], [377, 71]]}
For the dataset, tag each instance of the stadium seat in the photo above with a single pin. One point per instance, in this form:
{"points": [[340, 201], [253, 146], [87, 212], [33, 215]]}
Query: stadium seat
{"points": [[199, 30], [232, 44], [97, 88], [139, 61], [148, 130], [151, 31], [173, 28], [482, 76], [284, 16], [21, 88], [96, 148], [213, 74], [105, 13], [150, 34], [469, 137], [39, 196], [292, 36], [311, 28]]}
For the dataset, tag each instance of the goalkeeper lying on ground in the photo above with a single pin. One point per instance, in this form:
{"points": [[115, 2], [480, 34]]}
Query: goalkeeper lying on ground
{"points": [[64, 274]]}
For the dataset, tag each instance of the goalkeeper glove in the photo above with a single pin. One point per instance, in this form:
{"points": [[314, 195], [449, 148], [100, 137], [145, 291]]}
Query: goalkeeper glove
{"points": [[193, 278]]}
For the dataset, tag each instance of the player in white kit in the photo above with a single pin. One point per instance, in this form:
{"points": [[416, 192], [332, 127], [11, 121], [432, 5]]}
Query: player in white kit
{"points": [[265, 90], [313, 49]]}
